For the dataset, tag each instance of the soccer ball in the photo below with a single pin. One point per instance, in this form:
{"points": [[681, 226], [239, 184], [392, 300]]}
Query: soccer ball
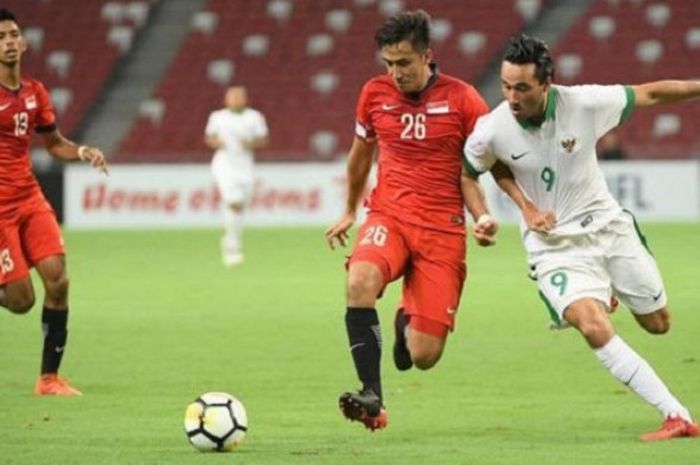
{"points": [[216, 421]]}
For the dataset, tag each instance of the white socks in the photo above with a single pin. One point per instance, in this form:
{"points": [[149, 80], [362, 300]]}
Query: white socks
{"points": [[632, 370], [233, 226]]}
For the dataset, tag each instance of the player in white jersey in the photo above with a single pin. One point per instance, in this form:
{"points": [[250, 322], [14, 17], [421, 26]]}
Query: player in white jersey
{"points": [[235, 132], [583, 249]]}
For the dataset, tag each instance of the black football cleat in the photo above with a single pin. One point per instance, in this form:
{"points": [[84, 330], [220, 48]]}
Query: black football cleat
{"points": [[364, 406], [402, 357]]}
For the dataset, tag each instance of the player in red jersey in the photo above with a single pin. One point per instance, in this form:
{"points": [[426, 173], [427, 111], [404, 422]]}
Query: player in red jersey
{"points": [[29, 233], [419, 119]]}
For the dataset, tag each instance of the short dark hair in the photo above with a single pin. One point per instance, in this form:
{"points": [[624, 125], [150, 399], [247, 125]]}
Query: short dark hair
{"points": [[524, 49], [7, 15], [413, 26]]}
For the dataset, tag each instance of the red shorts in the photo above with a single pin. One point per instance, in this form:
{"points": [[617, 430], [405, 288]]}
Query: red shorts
{"points": [[431, 262], [33, 234]]}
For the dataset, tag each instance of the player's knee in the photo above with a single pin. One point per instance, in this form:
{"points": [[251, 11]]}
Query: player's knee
{"points": [[363, 285], [595, 329], [20, 304], [57, 287], [425, 359], [658, 322]]}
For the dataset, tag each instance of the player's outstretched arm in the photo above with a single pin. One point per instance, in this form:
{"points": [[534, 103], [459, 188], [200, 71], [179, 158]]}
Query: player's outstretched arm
{"points": [[658, 92], [535, 219], [64, 149], [485, 227], [358, 168]]}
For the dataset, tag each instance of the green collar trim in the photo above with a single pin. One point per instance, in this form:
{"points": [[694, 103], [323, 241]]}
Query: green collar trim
{"points": [[549, 110]]}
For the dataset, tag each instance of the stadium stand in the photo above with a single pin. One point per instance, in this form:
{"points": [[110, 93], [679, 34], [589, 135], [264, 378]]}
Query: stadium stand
{"points": [[74, 45], [624, 41], [303, 66]]}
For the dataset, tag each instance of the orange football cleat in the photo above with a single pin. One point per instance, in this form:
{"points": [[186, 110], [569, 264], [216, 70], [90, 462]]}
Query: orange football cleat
{"points": [[50, 384], [614, 303], [366, 407], [671, 429]]}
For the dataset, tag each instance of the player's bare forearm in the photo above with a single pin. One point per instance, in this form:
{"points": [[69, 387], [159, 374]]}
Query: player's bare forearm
{"points": [[535, 219], [506, 181], [258, 143], [485, 227], [213, 142], [658, 92], [358, 168], [473, 195], [60, 147], [64, 149]]}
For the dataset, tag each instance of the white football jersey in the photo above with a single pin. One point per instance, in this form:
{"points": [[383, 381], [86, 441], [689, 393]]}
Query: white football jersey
{"points": [[555, 164], [233, 128]]}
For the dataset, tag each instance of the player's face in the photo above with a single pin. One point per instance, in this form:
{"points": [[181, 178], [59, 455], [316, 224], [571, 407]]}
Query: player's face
{"points": [[408, 68], [11, 43], [524, 93], [236, 98]]}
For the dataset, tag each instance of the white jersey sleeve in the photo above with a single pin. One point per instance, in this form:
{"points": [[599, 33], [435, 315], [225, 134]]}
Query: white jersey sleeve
{"points": [[477, 150], [259, 128], [610, 104], [211, 127]]}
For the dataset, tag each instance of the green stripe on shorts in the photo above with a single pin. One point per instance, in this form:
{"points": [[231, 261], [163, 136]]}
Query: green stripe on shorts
{"points": [[553, 315], [642, 237]]}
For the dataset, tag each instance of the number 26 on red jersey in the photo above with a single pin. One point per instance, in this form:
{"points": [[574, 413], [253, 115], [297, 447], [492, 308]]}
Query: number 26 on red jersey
{"points": [[375, 235], [413, 126]]}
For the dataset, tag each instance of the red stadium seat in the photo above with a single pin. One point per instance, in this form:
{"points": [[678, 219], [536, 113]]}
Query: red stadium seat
{"points": [[303, 66]]}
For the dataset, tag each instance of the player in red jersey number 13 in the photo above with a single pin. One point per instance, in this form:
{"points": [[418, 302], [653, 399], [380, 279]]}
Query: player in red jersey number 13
{"points": [[29, 233]]}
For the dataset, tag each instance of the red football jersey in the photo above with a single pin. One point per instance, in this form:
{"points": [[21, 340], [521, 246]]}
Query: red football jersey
{"points": [[21, 112], [420, 148]]}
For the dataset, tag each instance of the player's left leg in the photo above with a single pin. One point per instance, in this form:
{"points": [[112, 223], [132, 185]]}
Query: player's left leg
{"points": [[232, 241], [44, 244], [637, 281], [54, 323], [379, 257], [431, 294]]}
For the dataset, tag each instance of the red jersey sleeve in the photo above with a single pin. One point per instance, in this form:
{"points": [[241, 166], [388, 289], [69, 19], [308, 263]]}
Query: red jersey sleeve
{"points": [[475, 107], [363, 122], [46, 115]]}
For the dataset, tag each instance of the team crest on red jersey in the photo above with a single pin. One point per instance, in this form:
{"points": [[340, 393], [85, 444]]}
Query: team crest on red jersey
{"points": [[30, 102]]}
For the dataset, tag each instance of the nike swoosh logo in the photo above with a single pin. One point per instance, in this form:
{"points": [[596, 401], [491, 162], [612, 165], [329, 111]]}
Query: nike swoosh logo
{"points": [[451, 311], [519, 156], [60, 349], [4, 107], [389, 107], [657, 296], [355, 346]]}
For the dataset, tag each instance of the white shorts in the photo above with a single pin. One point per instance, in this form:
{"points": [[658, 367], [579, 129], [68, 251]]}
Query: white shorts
{"points": [[234, 181], [612, 260]]}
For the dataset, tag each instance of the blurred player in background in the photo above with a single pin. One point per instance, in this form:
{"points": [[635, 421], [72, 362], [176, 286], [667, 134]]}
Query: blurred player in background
{"points": [[235, 132], [418, 119], [29, 233], [581, 244]]}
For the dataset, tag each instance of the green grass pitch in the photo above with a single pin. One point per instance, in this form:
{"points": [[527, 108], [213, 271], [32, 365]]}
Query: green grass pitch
{"points": [[156, 320]]}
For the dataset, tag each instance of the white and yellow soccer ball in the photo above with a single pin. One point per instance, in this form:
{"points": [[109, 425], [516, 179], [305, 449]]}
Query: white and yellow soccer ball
{"points": [[216, 421]]}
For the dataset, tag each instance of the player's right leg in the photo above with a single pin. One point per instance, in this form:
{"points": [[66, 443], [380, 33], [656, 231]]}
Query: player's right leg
{"points": [[235, 188], [379, 257], [17, 296], [16, 290], [44, 245]]}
